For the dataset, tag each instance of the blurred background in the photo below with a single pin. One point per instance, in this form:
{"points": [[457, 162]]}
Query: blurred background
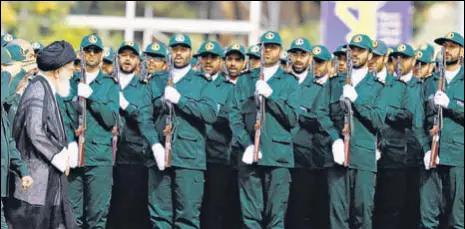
{"points": [[328, 23]]}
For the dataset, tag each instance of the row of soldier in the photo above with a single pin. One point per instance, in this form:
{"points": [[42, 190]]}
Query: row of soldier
{"points": [[239, 139]]}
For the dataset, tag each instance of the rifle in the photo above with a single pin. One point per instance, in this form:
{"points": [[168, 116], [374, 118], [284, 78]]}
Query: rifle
{"points": [[114, 138], [438, 119], [81, 131], [399, 67], [168, 131], [348, 129], [261, 110], [144, 74]]}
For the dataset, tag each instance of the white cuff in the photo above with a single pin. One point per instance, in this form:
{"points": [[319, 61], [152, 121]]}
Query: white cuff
{"points": [[61, 160]]}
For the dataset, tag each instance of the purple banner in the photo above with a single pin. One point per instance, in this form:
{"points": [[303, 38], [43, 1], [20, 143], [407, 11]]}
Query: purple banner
{"points": [[390, 22]]}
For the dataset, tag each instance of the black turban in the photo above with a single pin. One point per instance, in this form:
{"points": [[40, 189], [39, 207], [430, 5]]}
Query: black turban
{"points": [[55, 56]]}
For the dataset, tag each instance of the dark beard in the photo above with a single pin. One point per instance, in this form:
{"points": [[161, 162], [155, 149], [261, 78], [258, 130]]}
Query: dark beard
{"points": [[454, 62], [298, 72], [360, 66], [127, 72]]}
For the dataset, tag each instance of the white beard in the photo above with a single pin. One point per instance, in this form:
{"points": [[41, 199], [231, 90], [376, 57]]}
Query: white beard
{"points": [[63, 86]]}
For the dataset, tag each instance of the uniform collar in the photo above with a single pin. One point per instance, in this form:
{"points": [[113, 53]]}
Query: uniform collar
{"points": [[322, 80], [407, 77]]}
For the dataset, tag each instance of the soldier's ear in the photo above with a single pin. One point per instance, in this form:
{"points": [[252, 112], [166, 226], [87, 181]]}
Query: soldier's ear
{"points": [[385, 59], [370, 55]]}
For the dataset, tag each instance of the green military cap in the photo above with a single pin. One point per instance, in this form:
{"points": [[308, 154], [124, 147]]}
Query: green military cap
{"points": [[211, 47], [6, 56], [17, 53], [235, 48], [380, 48], [271, 37], [92, 40], [424, 55], [36, 45], [341, 50], [7, 38], [130, 45], [300, 44], [427, 47], [361, 41], [180, 39], [404, 49], [108, 54], [321, 52], [452, 36], [193, 61], [254, 50], [156, 48]]}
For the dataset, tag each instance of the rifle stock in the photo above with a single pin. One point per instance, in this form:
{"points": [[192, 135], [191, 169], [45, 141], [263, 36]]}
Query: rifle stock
{"points": [[261, 111], [168, 131], [81, 131], [347, 131]]}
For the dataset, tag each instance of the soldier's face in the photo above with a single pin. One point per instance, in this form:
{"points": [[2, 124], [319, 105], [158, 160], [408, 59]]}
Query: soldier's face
{"points": [[407, 64], [342, 61], [321, 67], [271, 54], [107, 67], [377, 63], [92, 56], [391, 67], [254, 62], [234, 64], [300, 60], [128, 61], [453, 52], [181, 55], [156, 63], [211, 63], [360, 57], [421, 72]]}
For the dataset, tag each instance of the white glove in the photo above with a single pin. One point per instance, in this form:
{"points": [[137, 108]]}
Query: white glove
{"points": [[378, 154], [73, 154], [427, 160], [441, 99], [338, 152], [350, 93], [262, 88], [123, 103], [159, 155], [247, 158], [60, 160], [172, 95], [84, 90]]}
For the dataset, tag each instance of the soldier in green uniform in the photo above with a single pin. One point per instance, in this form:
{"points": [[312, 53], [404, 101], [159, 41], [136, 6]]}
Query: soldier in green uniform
{"points": [[340, 53], [426, 58], [11, 159], [90, 185], [130, 174], [390, 62], [107, 63], [351, 189], [157, 57], [283, 59], [176, 192], [253, 52], [220, 208], [441, 192], [264, 185], [401, 143], [312, 139], [7, 38], [77, 62]]}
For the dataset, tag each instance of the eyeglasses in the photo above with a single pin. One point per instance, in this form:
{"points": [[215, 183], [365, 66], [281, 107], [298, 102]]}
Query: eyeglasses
{"points": [[94, 50]]}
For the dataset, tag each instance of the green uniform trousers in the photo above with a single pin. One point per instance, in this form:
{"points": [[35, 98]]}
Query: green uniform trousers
{"points": [[4, 226], [221, 204], [175, 198], [129, 198], [351, 197], [308, 200], [90, 194], [397, 199], [264, 193], [441, 198]]}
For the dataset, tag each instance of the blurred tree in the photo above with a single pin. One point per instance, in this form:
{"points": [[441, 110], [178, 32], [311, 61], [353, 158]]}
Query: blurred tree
{"points": [[40, 20]]}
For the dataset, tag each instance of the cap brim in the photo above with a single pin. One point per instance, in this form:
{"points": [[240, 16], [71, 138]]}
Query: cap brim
{"points": [[236, 51], [401, 53], [441, 41], [181, 43], [379, 53], [100, 47], [252, 54], [359, 46], [208, 52], [296, 49], [339, 53], [128, 47], [271, 42]]}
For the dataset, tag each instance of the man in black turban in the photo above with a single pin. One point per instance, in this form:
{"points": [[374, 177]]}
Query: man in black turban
{"points": [[41, 140]]}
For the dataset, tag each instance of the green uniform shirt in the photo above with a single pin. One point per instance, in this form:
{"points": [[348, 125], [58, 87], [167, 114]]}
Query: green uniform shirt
{"points": [[194, 110], [280, 117], [219, 134], [452, 135], [102, 116], [316, 132], [133, 148], [368, 119]]}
